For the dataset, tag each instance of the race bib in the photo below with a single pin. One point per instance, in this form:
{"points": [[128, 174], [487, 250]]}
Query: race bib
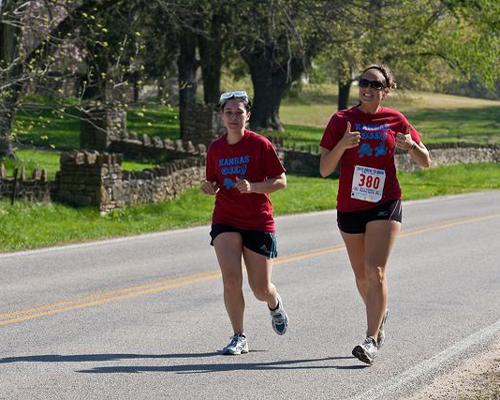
{"points": [[368, 184]]}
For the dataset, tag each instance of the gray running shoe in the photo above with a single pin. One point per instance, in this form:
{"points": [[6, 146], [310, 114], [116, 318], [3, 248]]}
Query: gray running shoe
{"points": [[381, 331], [366, 351], [279, 318], [238, 345]]}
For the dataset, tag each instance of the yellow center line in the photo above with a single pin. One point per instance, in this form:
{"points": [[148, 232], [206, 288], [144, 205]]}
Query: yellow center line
{"points": [[172, 283], [162, 282]]}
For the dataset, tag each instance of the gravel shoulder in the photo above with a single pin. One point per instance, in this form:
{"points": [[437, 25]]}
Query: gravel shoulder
{"points": [[476, 378]]}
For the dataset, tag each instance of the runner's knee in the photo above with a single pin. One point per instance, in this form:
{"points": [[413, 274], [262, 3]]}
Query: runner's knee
{"points": [[261, 292], [232, 283], [375, 275]]}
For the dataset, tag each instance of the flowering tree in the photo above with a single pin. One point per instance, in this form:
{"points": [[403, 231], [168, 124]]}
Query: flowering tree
{"points": [[34, 37]]}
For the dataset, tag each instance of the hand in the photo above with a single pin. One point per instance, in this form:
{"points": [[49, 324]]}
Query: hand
{"points": [[243, 185], [350, 139], [210, 188], [404, 140]]}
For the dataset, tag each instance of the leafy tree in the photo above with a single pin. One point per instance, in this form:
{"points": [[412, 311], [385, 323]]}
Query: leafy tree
{"points": [[424, 41], [279, 40], [30, 33]]}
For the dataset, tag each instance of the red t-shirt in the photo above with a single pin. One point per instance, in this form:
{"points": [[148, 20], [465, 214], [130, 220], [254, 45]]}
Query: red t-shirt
{"points": [[375, 151], [253, 158]]}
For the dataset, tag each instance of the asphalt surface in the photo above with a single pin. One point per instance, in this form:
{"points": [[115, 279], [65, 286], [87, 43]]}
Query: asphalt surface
{"points": [[143, 317]]}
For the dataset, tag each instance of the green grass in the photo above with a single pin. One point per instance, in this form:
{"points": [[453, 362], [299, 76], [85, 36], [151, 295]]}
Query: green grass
{"points": [[27, 226], [38, 125], [439, 117], [49, 160]]}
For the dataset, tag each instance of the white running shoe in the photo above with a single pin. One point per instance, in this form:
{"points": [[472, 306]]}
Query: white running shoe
{"points": [[279, 317], [381, 331], [366, 351], [238, 345]]}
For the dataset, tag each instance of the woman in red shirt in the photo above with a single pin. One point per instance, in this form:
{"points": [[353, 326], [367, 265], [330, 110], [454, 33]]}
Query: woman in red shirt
{"points": [[242, 169], [362, 140]]}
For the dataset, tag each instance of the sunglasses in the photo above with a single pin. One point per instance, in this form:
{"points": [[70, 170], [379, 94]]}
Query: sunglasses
{"points": [[224, 97], [364, 83]]}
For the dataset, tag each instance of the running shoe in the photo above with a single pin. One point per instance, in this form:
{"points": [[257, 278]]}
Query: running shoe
{"points": [[238, 345], [279, 318], [381, 331], [366, 351]]}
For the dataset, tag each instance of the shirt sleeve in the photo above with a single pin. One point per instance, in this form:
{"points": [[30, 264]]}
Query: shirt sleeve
{"points": [[210, 166], [333, 133], [272, 164], [415, 135]]}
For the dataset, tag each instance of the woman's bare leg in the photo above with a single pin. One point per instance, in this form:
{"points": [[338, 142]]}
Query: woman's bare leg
{"points": [[379, 239], [355, 245], [259, 270], [229, 249]]}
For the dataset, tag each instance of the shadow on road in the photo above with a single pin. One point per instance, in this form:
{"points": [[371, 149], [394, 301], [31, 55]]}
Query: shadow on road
{"points": [[218, 367], [180, 368], [53, 358]]}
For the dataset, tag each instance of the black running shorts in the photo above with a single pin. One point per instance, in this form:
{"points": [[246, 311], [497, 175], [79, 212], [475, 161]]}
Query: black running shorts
{"points": [[355, 221], [260, 242]]}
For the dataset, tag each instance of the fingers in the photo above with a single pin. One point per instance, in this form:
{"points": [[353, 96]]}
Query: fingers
{"points": [[210, 188], [348, 129], [243, 185], [351, 138], [404, 140]]}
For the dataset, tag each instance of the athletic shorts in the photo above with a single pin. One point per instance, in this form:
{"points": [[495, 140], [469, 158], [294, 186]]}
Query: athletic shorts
{"points": [[260, 242], [355, 221]]}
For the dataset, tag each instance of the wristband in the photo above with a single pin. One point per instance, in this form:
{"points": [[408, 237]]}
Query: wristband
{"points": [[413, 147]]}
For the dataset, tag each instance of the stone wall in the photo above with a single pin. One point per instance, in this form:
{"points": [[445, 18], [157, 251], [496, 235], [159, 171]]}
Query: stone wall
{"points": [[300, 162], [201, 123], [100, 126], [162, 183], [155, 148], [90, 179], [97, 179], [306, 161], [448, 154], [37, 188]]}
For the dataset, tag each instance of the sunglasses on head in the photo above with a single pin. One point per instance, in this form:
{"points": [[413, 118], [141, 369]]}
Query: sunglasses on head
{"points": [[377, 85], [224, 97]]}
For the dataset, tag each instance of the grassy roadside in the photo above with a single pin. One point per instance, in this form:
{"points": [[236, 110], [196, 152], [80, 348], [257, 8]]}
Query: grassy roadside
{"points": [[28, 226]]}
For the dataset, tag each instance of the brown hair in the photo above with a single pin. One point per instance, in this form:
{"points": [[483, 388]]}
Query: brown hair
{"points": [[248, 105], [384, 69]]}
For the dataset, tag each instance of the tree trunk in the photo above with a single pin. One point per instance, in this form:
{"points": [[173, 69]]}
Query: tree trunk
{"points": [[187, 64], [270, 82], [344, 89], [6, 147], [11, 91], [211, 63]]}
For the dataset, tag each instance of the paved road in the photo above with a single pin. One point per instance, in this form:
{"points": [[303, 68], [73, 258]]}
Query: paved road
{"points": [[143, 317]]}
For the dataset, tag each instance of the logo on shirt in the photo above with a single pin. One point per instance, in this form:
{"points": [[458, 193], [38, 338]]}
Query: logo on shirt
{"points": [[233, 166], [373, 132]]}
